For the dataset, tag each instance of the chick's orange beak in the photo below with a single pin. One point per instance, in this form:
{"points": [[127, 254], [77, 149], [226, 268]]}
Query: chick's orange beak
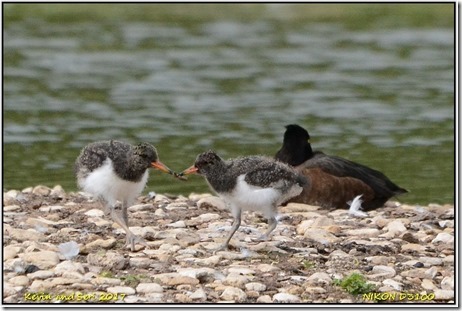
{"points": [[162, 167], [189, 170]]}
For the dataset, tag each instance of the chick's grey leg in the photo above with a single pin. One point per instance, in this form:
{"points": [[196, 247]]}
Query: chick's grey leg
{"points": [[272, 222], [235, 226], [122, 220]]}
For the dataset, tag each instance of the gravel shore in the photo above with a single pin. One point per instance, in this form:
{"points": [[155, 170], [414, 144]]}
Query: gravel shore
{"points": [[405, 251]]}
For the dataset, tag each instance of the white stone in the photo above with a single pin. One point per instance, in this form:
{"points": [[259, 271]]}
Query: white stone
{"points": [[255, 286], [443, 237], [393, 284], [444, 294], [448, 283], [140, 207], [431, 261], [178, 224], [241, 270], [10, 252], [384, 270], [69, 266], [395, 227], [234, 294], [198, 273], [94, 213], [212, 201], [121, 290], [286, 298], [147, 288]]}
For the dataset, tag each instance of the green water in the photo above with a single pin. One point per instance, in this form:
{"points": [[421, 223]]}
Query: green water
{"points": [[372, 83]]}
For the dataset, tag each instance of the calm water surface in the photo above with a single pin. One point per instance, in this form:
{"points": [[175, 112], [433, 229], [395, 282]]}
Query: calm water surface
{"points": [[384, 98]]}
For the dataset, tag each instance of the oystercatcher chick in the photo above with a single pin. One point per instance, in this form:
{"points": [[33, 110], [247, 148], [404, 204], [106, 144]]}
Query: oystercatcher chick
{"points": [[116, 171], [333, 181], [253, 183]]}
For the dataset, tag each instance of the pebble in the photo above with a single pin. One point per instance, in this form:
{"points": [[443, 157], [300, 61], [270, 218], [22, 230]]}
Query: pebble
{"points": [[395, 227], [20, 280], [41, 190], [378, 260], [41, 275], [98, 245], [109, 260], [285, 298], [393, 284], [199, 295], [147, 288], [241, 270], [22, 235], [411, 247], [58, 192], [10, 252], [68, 266], [431, 272], [448, 282], [267, 268], [443, 237], [428, 284], [320, 236], [397, 259], [233, 294], [384, 271], [319, 278], [42, 259], [255, 286], [94, 213], [212, 201], [264, 299], [364, 232], [315, 290], [444, 294], [121, 290], [178, 224], [236, 280], [431, 261]]}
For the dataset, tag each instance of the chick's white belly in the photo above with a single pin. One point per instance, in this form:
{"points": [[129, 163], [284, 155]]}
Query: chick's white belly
{"points": [[103, 182], [252, 198]]}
